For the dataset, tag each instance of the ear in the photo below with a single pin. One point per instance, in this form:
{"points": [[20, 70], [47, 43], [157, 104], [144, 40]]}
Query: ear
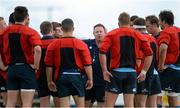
{"points": [[26, 20], [52, 31], [119, 24], [62, 29], [105, 31], [93, 33]]}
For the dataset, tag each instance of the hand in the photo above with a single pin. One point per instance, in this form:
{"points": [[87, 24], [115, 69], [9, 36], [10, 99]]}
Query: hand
{"points": [[162, 68], [33, 66], [142, 76], [89, 84], [107, 75], [52, 86], [4, 68]]}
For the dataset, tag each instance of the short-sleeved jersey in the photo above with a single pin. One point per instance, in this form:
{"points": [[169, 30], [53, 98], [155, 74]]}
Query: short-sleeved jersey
{"points": [[46, 40], [178, 60], [3, 74], [170, 37], [67, 53], [18, 44], [1, 40], [154, 48], [124, 44]]}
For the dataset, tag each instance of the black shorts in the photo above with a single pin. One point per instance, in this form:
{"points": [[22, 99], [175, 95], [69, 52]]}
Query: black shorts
{"points": [[3, 87], [97, 93], [150, 86], [170, 80], [122, 82], [70, 84], [43, 89], [155, 87], [21, 76]]}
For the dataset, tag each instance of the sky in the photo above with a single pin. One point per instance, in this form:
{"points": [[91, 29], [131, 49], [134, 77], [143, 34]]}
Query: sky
{"points": [[87, 13]]}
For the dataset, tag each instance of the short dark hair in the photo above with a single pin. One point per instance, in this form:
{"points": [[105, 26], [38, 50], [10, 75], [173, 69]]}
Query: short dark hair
{"points": [[11, 18], [100, 25], [132, 18], [124, 18], [167, 16], [67, 25], [56, 24], [20, 13], [1, 18], [46, 27], [153, 19], [139, 21]]}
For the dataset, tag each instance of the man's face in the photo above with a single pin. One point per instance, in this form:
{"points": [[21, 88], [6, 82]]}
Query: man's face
{"points": [[58, 32], [99, 34], [161, 23], [149, 27], [3, 24]]}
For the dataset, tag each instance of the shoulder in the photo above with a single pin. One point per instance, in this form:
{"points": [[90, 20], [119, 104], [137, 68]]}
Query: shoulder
{"points": [[53, 44], [29, 31], [79, 44], [113, 32], [170, 30], [78, 40]]}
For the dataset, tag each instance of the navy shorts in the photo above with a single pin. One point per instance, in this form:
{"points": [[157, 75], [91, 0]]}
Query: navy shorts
{"points": [[122, 82], [70, 84], [170, 80], [21, 76], [97, 93], [43, 89], [3, 87], [150, 86]]}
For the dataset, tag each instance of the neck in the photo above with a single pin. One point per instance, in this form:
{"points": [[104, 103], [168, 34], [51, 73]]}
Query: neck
{"points": [[143, 31], [67, 34], [97, 43], [166, 25], [157, 30], [124, 26], [22, 23], [49, 34]]}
